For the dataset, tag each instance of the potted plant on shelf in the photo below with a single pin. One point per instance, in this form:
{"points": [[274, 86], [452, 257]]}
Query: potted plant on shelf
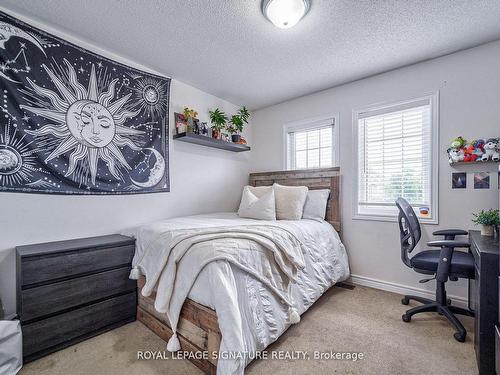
{"points": [[237, 122], [190, 116], [488, 219], [218, 120]]}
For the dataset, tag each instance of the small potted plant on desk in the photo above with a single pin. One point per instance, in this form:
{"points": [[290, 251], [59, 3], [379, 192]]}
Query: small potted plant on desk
{"points": [[489, 221], [218, 120], [237, 122]]}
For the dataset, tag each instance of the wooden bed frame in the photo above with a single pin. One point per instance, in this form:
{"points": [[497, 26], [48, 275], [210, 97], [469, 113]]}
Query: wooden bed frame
{"points": [[198, 328]]}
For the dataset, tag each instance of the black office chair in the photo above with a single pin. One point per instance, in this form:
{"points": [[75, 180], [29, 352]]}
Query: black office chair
{"points": [[444, 264]]}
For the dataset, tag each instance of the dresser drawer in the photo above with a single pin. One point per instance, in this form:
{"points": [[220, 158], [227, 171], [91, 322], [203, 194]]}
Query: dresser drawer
{"points": [[66, 329], [48, 299], [40, 269]]}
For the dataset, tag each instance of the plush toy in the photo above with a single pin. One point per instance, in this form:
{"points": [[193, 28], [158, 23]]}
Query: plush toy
{"points": [[458, 142], [469, 155], [456, 155], [479, 148], [490, 150], [473, 150], [456, 152]]}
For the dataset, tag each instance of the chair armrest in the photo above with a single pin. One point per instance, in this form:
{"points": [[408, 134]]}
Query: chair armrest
{"points": [[448, 243], [450, 232]]}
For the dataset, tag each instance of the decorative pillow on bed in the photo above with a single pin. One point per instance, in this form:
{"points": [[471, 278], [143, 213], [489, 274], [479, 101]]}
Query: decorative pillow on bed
{"points": [[315, 206], [259, 191], [289, 201], [257, 203]]}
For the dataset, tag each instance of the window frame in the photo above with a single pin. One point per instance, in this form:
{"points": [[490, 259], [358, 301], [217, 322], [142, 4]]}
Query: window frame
{"points": [[311, 124], [433, 99]]}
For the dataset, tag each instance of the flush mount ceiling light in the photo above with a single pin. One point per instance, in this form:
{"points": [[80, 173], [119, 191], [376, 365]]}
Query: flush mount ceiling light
{"points": [[285, 13]]}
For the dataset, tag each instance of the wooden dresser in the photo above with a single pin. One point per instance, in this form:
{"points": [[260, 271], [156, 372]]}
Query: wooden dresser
{"points": [[483, 298], [68, 291]]}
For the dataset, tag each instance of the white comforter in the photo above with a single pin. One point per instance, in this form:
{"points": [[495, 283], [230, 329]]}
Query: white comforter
{"points": [[250, 315]]}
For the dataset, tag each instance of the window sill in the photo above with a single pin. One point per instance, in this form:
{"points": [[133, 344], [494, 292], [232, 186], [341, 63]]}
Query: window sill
{"points": [[391, 219]]}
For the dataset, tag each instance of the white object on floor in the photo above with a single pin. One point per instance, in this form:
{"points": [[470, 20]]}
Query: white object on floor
{"points": [[11, 347]]}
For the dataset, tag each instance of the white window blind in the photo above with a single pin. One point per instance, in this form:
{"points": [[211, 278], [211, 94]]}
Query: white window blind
{"points": [[311, 146], [395, 150]]}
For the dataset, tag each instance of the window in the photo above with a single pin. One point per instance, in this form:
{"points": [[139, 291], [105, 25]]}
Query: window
{"points": [[397, 147], [311, 143]]}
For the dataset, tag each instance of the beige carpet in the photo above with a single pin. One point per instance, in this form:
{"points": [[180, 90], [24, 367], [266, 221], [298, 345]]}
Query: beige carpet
{"points": [[360, 320]]}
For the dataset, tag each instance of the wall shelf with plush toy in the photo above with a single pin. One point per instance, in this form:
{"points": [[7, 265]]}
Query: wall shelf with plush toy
{"points": [[476, 151]]}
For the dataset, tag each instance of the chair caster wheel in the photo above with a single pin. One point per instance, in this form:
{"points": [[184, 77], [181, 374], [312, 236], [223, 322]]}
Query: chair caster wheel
{"points": [[448, 301], [460, 337], [406, 318], [405, 301]]}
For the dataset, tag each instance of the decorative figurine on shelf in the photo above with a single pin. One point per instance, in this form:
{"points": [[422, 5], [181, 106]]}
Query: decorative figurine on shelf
{"points": [[190, 116], [458, 142], [490, 150], [469, 155], [204, 129], [196, 126], [478, 148], [456, 152], [180, 123], [473, 151], [456, 155]]}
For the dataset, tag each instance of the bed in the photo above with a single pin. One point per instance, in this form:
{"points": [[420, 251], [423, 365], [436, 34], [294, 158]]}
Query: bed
{"points": [[229, 315]]}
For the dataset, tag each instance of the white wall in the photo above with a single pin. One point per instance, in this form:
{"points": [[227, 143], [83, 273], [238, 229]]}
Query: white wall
{"points": [[202, 180], [469, 86]]}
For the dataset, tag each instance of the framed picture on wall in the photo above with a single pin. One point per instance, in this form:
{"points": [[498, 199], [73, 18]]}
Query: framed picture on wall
{"points": [[459, 180], [180, 123], [481, 180]]}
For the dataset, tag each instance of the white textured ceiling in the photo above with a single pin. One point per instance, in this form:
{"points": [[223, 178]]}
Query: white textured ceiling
{"points": [[227, 48]]}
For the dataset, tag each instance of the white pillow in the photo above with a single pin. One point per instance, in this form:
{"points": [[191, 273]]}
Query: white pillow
{"points": [[253, 207], [259, 191], [289, 201], [315, 206]]}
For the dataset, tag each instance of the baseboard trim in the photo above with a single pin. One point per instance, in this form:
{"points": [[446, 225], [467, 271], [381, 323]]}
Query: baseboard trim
{"points": [[403, 289]]}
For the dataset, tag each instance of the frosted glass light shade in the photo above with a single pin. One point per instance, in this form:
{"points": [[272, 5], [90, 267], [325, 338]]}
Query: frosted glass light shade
{"points": [[285, 13]]}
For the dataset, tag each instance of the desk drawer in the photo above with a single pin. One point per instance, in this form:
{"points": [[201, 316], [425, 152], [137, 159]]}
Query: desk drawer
{"points": [[39, 269], [68, 328], [52, 298]]}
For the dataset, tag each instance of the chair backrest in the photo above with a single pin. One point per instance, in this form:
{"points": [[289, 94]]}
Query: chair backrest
{"points": [[409, 229]]}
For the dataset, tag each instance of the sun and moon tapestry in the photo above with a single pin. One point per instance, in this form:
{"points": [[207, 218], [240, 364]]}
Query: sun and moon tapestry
{"points": [[74, 122]]}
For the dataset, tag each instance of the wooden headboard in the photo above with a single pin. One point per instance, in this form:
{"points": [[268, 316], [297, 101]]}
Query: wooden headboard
{"points": [[323, 178]]}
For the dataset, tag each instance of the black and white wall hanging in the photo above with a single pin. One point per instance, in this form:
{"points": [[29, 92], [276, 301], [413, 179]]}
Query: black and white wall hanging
{"points": [[74, 122]]}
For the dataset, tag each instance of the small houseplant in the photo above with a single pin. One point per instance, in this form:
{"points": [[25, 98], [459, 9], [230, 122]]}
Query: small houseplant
{"points": [[237, 122], [488, 219], [218, 120]]}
